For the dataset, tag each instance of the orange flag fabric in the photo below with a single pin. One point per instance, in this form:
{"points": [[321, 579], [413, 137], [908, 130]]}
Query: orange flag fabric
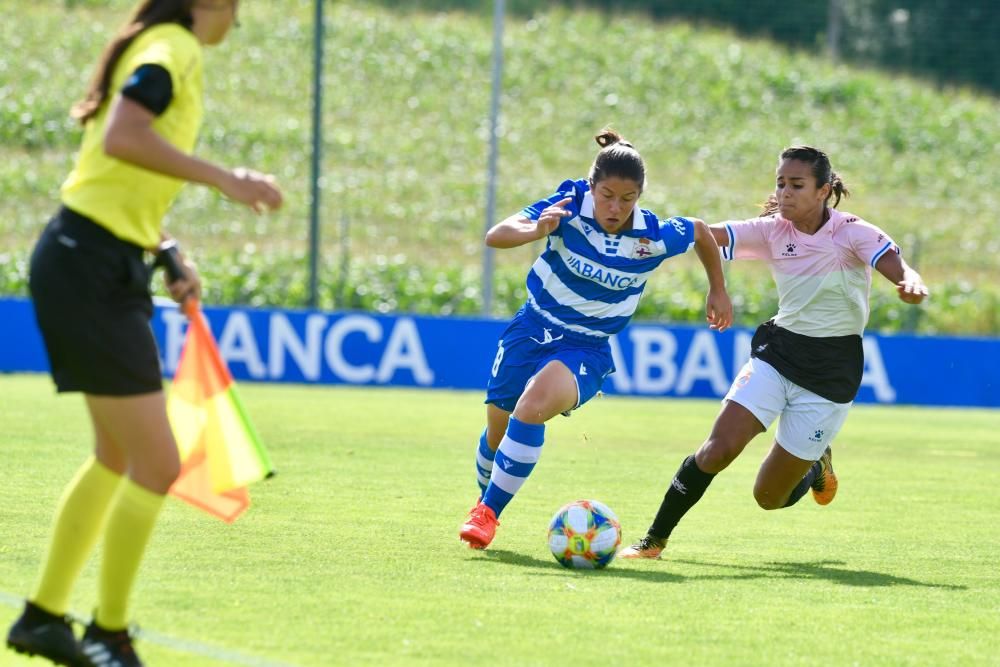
{"points": [[220, 451]]}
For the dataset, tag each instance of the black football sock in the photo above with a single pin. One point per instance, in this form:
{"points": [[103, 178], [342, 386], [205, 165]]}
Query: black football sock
{"points": [[685, 490], [803, 486]]}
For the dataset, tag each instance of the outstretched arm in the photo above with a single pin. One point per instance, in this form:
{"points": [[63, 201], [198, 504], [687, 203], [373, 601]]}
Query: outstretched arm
{"points": [[718, 307], [130, 137], [518, 229], [908, 282]]}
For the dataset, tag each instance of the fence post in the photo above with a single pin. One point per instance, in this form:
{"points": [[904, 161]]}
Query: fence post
{"points": [[834, 24], [491, 170], [317, 151]]}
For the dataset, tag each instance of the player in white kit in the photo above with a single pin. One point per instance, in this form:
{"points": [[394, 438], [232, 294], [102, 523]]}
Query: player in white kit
{"points": [[807, 362]]}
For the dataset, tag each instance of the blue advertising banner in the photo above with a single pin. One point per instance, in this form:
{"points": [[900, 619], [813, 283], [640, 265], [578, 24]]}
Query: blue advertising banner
{"points": [[418, 351]]}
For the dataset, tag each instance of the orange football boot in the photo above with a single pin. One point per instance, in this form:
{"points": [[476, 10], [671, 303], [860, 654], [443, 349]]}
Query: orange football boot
{"points": [[648, 548], [824, 487], [479, 529]]}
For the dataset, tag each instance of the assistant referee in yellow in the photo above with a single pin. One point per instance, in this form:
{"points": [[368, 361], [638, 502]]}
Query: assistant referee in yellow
{"points": [[90, 287]]}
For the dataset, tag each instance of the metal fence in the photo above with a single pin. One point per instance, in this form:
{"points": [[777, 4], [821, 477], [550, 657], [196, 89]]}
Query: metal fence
{"points": [[950, 41]]}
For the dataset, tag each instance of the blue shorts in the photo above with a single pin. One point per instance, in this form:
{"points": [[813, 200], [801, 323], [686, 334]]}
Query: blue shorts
{"points": [[529, 343]]}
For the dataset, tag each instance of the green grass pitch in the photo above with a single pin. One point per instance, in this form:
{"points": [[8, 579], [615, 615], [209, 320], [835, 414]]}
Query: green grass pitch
{"points": [[350, 556]]}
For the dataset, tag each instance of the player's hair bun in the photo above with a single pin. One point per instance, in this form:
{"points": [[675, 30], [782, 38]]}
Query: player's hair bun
{"points": [[607, 137]]}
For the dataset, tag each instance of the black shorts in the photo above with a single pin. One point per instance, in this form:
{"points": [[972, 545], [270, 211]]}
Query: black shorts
{"points": [[91, 295]]}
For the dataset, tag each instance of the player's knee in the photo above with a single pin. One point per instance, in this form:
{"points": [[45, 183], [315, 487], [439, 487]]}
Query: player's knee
{"points": [[531, 410], [716, 454], [766, 499]]}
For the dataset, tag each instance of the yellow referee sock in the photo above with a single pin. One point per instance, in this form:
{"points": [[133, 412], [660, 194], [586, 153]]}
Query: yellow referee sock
{"points": [[130, 523], [79, 520]]}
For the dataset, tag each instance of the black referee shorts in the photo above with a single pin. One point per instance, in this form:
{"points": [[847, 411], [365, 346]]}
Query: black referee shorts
{"points": [[91, 295]]}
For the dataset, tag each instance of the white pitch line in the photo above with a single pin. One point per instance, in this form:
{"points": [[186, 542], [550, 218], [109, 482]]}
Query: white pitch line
{"points": [[175, 643]]}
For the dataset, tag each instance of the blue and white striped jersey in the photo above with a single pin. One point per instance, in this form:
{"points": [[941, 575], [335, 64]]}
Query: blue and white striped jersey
{"points": [[588, 281]]}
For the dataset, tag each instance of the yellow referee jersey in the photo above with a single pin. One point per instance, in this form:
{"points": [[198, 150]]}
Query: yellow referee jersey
{"points": [[128, 200]]}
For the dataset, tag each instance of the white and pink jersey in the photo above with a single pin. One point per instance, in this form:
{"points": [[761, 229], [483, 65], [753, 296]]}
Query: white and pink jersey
{"points": [[823, 279]]}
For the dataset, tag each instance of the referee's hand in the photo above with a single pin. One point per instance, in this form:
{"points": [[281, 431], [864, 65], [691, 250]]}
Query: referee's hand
{"points": [[252, 188], [184, 288]]}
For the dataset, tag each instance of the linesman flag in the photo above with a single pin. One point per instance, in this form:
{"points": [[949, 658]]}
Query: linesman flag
{"points": [[220, 451]]}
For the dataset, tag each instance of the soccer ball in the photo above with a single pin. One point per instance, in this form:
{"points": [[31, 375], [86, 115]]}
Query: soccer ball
{"points": [[584, 534]]}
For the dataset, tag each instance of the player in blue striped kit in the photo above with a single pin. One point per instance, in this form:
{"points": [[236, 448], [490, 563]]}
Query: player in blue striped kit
{"points": [[585, 286]]}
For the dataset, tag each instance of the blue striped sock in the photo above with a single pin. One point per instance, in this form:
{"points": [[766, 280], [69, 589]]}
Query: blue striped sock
{"points": [[484, 464], [515, 459]]}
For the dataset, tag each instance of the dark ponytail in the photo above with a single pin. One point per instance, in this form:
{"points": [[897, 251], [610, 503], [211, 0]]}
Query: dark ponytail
{"points": [[821, 170], [617, 158], [144, 16]]}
